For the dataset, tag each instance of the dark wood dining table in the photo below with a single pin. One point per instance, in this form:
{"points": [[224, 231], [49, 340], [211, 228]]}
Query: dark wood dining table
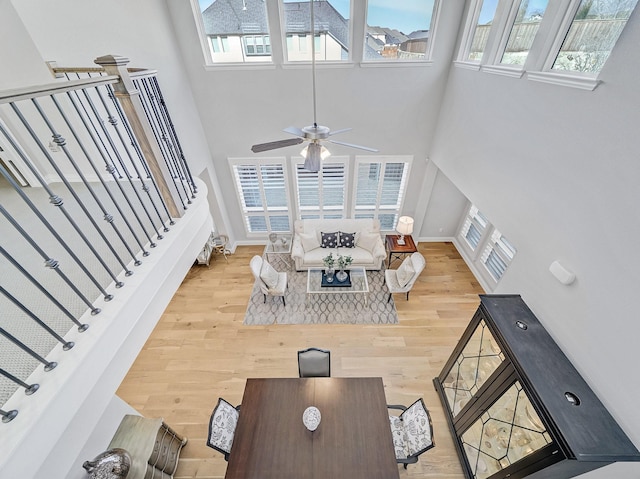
{"points": [[353, 439]]}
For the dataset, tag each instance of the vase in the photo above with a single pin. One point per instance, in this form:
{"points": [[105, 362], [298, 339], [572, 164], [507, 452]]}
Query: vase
{"points": [[341, 275], [330, 273]]}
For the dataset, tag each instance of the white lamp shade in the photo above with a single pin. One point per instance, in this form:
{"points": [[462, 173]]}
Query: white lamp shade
{"points": [[405, 225]]}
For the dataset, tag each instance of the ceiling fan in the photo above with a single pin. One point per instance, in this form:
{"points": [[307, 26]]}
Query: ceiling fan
{"points": [[314, 152]]}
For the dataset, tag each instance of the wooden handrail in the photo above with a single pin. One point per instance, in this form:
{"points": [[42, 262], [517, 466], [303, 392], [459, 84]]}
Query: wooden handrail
{"points": [[36, 91]]}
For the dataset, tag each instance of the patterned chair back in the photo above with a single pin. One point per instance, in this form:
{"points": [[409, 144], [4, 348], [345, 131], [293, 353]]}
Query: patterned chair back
{"points": [[418, 430], [222, 427]]}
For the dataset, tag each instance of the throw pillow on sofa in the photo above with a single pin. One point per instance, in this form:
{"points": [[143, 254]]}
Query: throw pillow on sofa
{"points": [[367, 241], [405, 272], [309, 241], [269, 275], [329, 240], [347, 240]]}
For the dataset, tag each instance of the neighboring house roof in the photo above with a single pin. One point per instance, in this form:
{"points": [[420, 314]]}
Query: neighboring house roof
{"points": [[392, 36], [326, 19], [227, 17], [419, 35]]}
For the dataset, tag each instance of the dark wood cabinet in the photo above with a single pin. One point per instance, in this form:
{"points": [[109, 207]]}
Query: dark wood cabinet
{"points": [[516, 405]]}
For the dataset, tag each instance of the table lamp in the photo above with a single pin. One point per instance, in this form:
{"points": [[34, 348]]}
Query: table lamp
{"points": [[404, 227]]}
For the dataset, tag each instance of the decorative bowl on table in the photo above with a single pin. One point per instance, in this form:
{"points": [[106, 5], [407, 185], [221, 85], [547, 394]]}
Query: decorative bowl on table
{"points": [[311, 418]]}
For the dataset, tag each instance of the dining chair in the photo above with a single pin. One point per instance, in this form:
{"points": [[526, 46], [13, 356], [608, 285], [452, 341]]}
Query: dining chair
{"points": [[271, 282], [412, 432], [314, 363], [401, 280], [222, 427]]}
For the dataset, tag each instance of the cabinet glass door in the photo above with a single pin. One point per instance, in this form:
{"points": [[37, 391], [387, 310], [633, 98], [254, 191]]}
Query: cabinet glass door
{"points": [[506, 432], [478, 360]]}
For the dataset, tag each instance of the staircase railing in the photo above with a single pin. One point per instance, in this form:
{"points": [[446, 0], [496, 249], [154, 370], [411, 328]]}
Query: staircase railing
{"points": [[92, 176]]}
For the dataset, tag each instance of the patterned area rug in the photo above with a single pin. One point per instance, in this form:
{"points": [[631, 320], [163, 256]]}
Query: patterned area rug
{"points": [[342, 308]]}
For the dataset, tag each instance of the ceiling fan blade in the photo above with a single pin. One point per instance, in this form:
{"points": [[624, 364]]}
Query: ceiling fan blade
{"points": [[272, 145], [340, 131], [353, 146], [294, 131]]}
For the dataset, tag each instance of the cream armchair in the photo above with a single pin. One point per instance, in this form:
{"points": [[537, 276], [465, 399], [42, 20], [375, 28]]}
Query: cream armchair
{"points": [[272, 283], [401, 280]]}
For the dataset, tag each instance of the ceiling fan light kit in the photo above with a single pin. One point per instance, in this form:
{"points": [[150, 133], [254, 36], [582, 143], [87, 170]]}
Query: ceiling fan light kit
{"points": [[314, 152], [313, 155]]}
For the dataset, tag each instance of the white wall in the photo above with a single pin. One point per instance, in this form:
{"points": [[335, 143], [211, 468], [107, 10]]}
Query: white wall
{"points": [[556, 170], [393, 109], [26, 65]]}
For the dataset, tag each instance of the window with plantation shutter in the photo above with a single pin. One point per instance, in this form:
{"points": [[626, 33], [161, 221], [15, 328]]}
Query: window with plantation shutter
{"points": [[486, 250], [321, 194], [497, 255], [262, 192], [474, 227], [380, 190]]}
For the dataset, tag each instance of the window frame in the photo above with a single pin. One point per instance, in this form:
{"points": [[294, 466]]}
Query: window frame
{"points": [[377, 210], [428, 55], [552, 31], [320, 212], [266, 212], [477, 257], [265, 44]]}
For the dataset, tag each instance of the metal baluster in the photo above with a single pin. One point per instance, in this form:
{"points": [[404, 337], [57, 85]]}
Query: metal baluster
{"points": [[56, 200], [107, 217], [134, 143], [95, 133], [81, 327], [28, 389], [145, 100], [66, 345], [160, 134], [50, 262], [125, 124], [48, 365], [174, 136], [110, 167], [145, 188], [8, 416]]}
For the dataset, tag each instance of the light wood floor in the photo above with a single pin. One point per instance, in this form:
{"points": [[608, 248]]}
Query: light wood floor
{"points": [[200, 351]]}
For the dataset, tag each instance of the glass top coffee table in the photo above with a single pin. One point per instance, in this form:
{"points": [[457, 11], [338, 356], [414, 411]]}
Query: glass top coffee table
{"points": [[359, 283]]}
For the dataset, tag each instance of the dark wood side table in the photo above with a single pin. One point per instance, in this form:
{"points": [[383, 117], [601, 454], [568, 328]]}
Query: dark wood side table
{"points": [[399, 251]]}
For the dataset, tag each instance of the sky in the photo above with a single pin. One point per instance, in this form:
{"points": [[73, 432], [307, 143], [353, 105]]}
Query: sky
{"points": [[404, 15]]}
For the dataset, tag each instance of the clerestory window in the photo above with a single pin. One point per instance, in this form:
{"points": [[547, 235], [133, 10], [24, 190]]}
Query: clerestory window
{"points": [[564, 42], [592, 34], [399, 31]]}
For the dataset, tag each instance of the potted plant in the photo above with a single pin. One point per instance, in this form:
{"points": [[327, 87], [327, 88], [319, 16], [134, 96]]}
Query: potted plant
{"points": [[343, 262], [329, 261]]}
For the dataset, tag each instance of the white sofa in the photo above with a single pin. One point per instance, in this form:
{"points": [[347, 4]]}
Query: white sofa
{"points": [[368, 252]]}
